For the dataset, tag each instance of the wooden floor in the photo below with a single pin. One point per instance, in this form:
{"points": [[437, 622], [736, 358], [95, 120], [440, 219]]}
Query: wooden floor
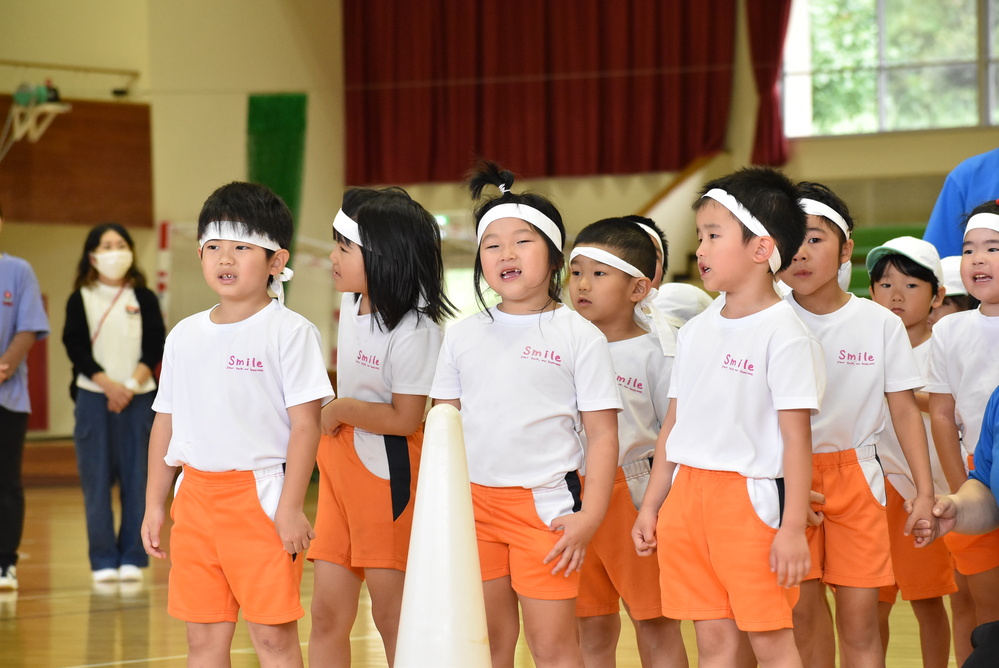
{"points": [[58, 619]]}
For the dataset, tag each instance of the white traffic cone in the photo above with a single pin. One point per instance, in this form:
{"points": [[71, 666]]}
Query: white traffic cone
{"points": [[443, 620]]}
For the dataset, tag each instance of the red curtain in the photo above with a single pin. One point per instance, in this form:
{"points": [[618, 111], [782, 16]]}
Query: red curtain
{"points": [[545, 88], [767, 28]]}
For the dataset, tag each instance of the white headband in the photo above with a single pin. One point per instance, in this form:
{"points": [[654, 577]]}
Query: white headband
{"points": [[525, 213], [982, 221], [652, 233], [747, 219], [347, 226], [815, 208], [227, 230], [611, 260]]}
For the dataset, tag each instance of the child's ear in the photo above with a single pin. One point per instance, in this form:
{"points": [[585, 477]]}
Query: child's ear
{"points": [[939, 298], [278, 261], [765, 247], [640, 289], [847, 252]]}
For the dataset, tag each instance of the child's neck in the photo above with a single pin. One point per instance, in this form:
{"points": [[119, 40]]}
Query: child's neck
{"points": [[825, 300], [991, 310], [919, 333], [364, 305], [229, 311], [528, 307], [752, 297]]}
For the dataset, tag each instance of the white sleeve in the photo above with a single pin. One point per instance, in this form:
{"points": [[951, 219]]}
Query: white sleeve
{"points": [[792, 377], [447, 380], [303, 371], [413, 360], [163, 403], [938, 383], [595, 378], [901, 369]]}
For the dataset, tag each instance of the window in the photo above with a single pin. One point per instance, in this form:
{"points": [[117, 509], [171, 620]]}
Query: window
{"points": [[862, 66]]}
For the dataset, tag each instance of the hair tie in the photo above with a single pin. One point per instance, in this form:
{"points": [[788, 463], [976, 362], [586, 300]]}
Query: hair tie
{"points": [[503, 189]]}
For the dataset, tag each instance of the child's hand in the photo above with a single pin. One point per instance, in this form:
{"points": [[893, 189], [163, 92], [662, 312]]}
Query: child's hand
{"points": [[152, 523], [577, 530], [4, 372], [815, 517], [329, 425], [789, 557], [644, 534], [922, 519], [945, 510], [294, 530]]}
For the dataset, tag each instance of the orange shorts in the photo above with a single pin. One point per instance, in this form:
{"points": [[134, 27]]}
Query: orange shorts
{"points": [[974, 554], [613, 570], [714, 554], [920, 572], [226, 554], [850, 547], [513, 538], [363, 520]]}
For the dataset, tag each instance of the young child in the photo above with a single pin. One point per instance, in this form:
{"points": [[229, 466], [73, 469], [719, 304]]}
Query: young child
{"points": [[238, 408], [387, 262], [732, 521], [526, 375], [610, 268], [868, 360], [956, 297], [907, 279], [963, 373], [22, 322]]}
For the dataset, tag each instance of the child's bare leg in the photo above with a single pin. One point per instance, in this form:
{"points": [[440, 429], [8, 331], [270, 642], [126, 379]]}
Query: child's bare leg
{"points": [[934, 631], [985, 590], [660, 644], [502, 620], [277, 645], [775, 648], [808, 618], [385, 587], [857, 622], [335, 594], [208, 645], [962, 609], [598, 638], [884, 627], [551, 632], [717, 642], [746, 657], [824, 641]]}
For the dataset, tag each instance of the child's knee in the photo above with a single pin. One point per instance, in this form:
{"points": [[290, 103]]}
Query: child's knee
{"points": [[274, 638]]}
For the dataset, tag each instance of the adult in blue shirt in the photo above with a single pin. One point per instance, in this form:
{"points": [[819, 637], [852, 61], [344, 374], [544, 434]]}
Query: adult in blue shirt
{"points": [[972, 182]]}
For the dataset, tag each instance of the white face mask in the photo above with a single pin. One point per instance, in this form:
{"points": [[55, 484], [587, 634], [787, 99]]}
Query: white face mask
{"points": [[112, 265]]}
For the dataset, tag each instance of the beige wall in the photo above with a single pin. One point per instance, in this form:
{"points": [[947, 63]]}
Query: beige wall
{"points": [[200, 60]]}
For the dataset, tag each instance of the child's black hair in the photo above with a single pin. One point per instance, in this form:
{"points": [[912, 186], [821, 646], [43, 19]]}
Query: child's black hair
{"points": [[822, 193], [86, 274], [989, 206], [256, 206], [962, 302], [664, 244], [907, 266], [490, 174], [625, 239], [772, 199], [401, 247]]}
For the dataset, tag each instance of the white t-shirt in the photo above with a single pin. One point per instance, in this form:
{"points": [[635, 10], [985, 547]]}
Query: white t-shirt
{"points": [[118, 347], [228, 387], [374, 363], [730, 377], [867, 354], [964, 364], [890, 450], [522, 381]]}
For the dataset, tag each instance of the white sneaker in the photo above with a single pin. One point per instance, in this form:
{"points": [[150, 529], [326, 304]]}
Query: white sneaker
{"points": [[105, 575], [8, 578], [129, 573]]}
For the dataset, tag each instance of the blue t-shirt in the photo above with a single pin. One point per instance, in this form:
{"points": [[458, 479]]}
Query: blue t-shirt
{"points": [[974, 181], [987, 444], [21, 310]]}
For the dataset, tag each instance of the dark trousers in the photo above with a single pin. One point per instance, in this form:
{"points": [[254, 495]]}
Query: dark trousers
{"points": [[13, 427]]}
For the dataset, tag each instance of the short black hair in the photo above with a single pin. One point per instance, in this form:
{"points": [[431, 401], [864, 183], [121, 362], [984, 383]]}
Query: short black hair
{"points": [[490, 174], [254, 205], [772, 198], [401, 247], [627, 240], [906, 265], [648, 222], [822, 193]]}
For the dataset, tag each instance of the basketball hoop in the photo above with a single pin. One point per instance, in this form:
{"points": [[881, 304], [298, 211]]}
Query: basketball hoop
{"points": [[28, 121]]}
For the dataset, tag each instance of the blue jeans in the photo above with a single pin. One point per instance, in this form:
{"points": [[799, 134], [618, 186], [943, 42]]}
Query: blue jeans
{"points": [[113, 448]]}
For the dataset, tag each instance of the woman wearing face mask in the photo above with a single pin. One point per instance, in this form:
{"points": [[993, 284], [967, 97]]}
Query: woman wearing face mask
{"points": [[114, 336]]}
